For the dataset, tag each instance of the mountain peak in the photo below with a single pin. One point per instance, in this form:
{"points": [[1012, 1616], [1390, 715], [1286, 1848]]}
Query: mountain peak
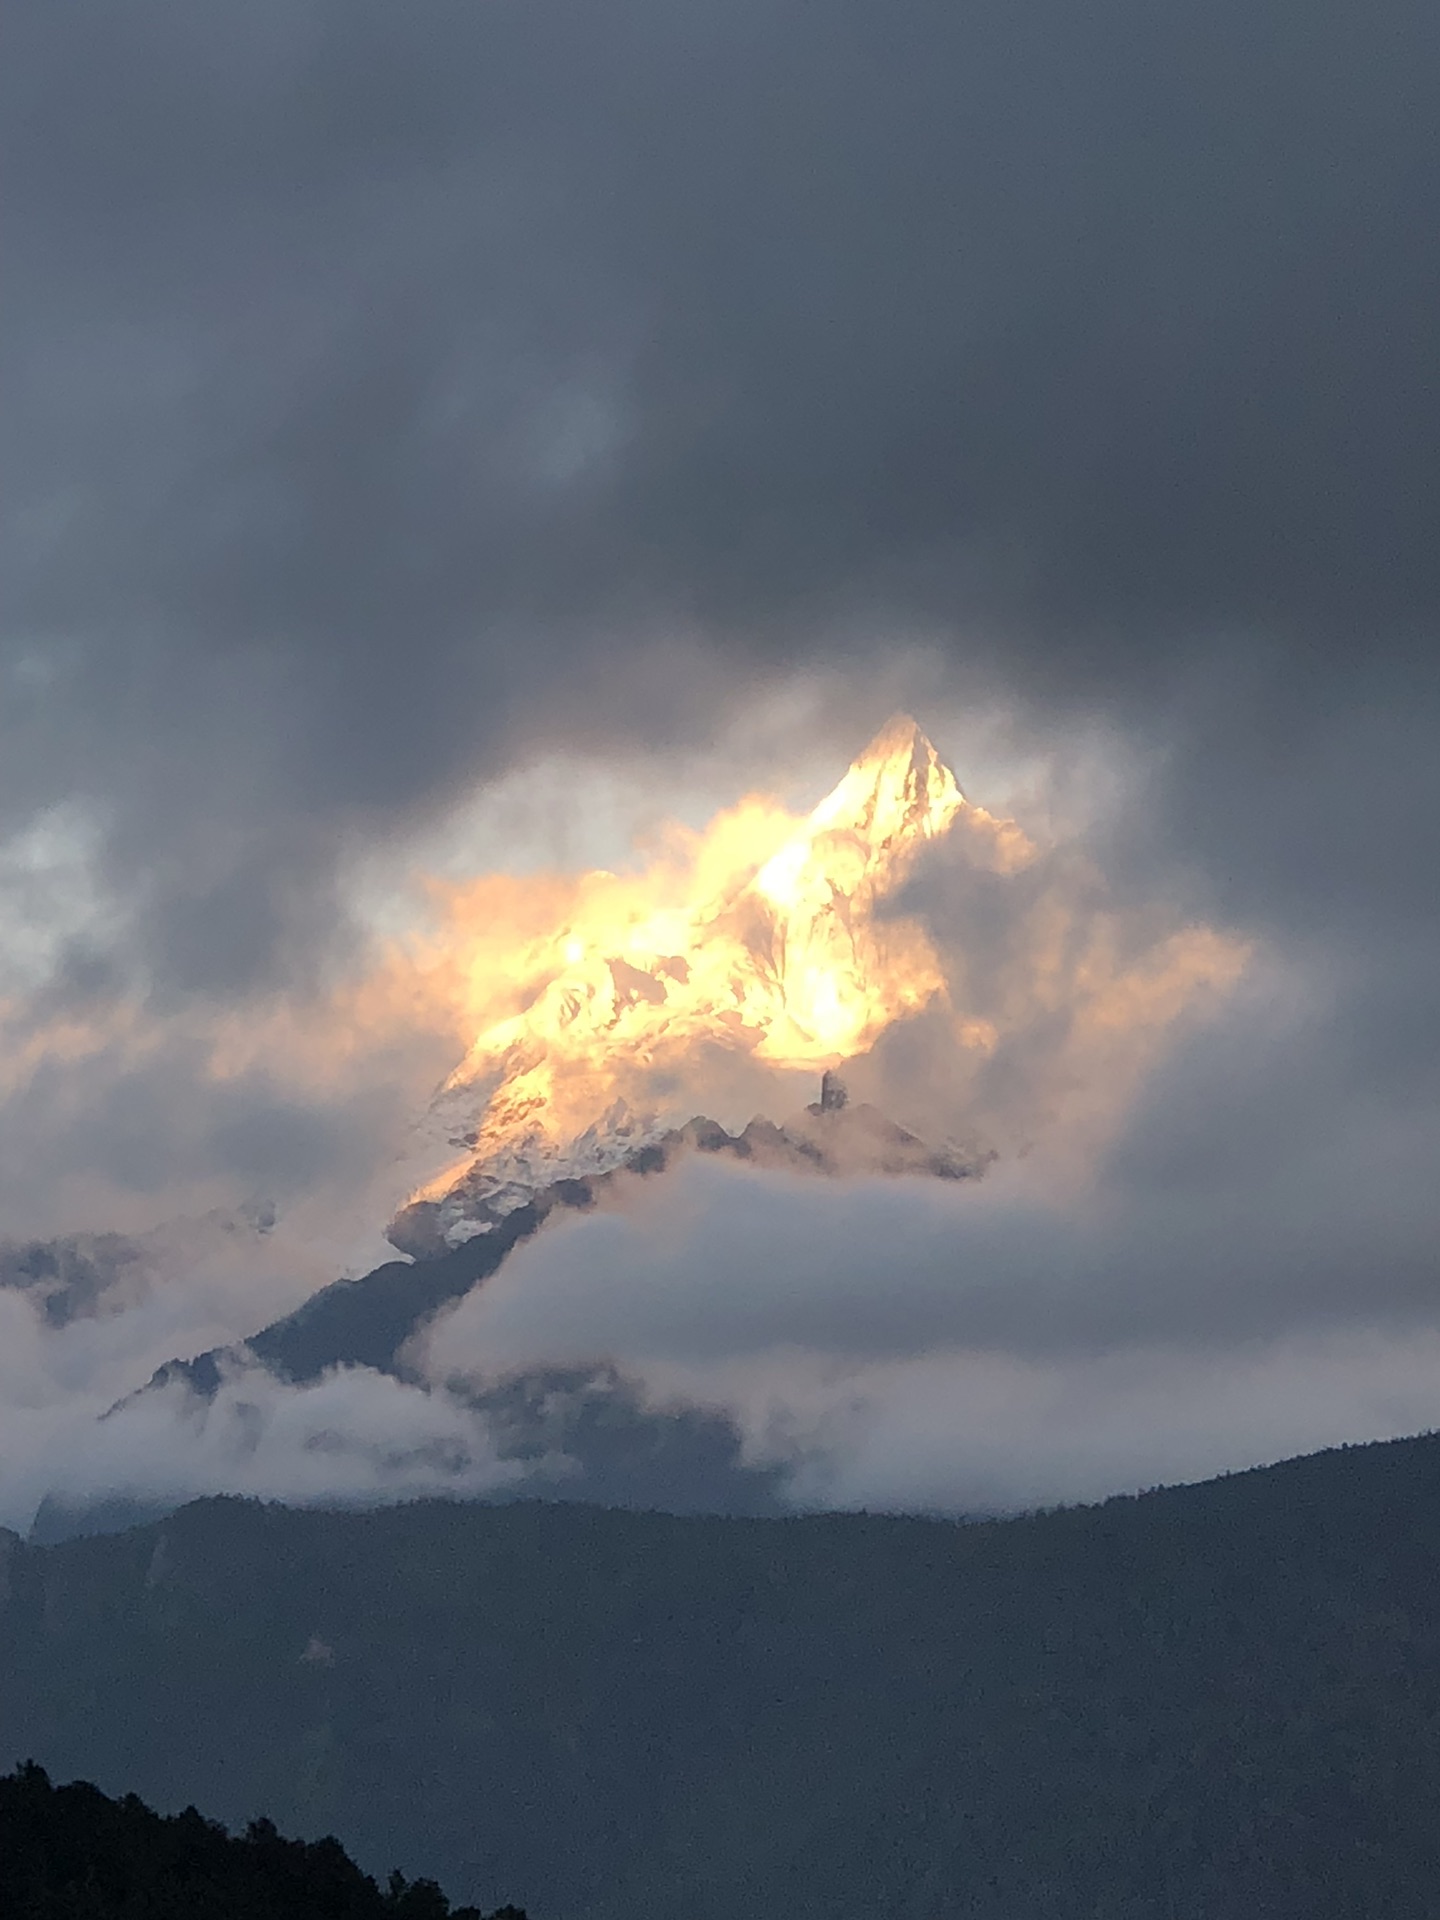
{"points": [[647, 1008], [895, 795], [898, 787], [901, 737]]}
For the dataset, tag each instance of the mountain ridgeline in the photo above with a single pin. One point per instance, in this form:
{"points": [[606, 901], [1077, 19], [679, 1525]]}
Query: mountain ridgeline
{"points": [[366, 1322], [1209, 1703], [618, 1450]]}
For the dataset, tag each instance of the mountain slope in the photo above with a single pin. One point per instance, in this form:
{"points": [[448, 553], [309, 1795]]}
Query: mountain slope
{"points": [[1220, 1701], [69, 1851], [613, 1447], [744, 977]]}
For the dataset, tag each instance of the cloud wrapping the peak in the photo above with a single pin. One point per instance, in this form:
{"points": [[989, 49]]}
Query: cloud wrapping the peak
{"points": [[412, 411]]}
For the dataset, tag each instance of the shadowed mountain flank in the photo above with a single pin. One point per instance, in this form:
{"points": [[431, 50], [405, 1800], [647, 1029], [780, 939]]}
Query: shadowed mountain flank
{"points": [[583, 1433], [1214, 1700]]}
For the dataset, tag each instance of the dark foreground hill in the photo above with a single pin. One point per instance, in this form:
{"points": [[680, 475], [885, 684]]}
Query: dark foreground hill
{"points": [[69, 1853], [1214, 1703]]}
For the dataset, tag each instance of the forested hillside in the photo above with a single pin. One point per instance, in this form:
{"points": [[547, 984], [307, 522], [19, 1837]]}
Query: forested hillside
{"points": [[70, 1853], [1221, 1701]]}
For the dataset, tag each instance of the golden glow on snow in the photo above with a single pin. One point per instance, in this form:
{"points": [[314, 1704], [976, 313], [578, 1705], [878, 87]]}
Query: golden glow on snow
{"points": [[720, 978], [758, 938]]}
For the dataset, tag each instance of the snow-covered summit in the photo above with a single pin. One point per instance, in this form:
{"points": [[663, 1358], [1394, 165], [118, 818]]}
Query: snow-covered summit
{"points": [[655, 1007]]}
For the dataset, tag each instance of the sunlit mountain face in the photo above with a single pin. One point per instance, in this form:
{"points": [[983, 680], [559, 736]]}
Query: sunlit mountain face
{"points": [[724, 981], [896, 986]]}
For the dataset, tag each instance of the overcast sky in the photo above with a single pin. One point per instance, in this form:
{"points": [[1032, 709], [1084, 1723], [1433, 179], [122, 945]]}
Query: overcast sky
{"points": [[439, 434]]}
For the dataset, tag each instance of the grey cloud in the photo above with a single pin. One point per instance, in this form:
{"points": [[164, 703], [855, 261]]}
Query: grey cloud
{"points": [[391, 393], [78, 1275], [142, 1124], [352, 1437], [87, 1275], [1252, 1274], [1085, 338], [898, 1271], [981, 1433], [128, 1134]]}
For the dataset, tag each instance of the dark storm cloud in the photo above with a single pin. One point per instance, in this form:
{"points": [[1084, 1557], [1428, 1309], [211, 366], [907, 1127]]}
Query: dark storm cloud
{"points": [[149, 1124], [391, 386], [390, 390]]}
